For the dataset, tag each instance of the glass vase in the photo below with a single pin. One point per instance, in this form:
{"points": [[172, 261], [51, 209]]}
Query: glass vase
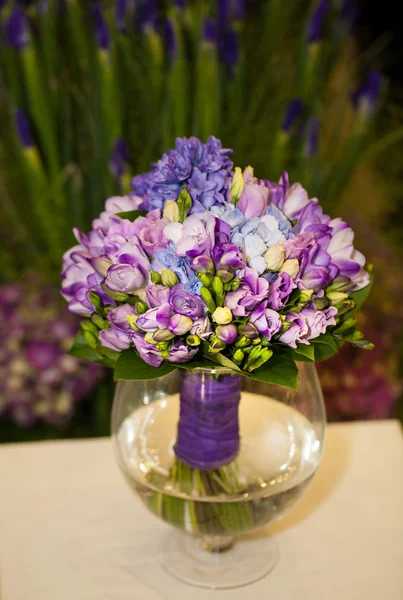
{"points": [[218, 455]]}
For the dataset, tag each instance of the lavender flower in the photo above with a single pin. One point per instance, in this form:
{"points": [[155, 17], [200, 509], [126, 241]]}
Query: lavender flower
{"points": [[366, 97], [115, 339], [17, 29], [266, 320], [23, 128], [292, 113], [179, 353], [101, 28], [120, 155], [186, 303], [148, 352], [312, 137], [170, 39], [250, 293], [315, 25]]}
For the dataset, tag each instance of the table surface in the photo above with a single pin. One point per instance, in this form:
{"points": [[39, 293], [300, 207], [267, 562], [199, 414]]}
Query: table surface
{"points": [[71, 529]]}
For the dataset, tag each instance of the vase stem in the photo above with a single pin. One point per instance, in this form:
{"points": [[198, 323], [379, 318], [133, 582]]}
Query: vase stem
{"points": [[217, 544]]}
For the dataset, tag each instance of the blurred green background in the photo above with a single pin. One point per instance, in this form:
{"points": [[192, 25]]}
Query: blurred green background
{"points": [[92, 92]]}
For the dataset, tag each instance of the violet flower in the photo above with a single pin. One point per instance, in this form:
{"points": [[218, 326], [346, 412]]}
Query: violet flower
{"points": [[115, 339], [250, 293], [101, 28], [179, 353], [292, 113], [148, 352], [312, 137], [266, 320], [23, 128], [17, 29], [186, 303], [120, 156], [366, 97], [316, 22]]}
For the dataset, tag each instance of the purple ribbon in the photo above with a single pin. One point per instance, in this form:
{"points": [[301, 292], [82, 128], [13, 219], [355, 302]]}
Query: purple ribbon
{"points": [[208, 427]]}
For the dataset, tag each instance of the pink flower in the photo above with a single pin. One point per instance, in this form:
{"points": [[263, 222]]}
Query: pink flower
{"points": [[150, 231], [254, 197]]}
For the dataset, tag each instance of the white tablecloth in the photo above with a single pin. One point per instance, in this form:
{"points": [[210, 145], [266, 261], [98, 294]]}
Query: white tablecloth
{"points": [[71, 529]]}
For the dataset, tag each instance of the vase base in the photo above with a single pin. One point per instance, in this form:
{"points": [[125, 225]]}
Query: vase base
{"points": [[251, 558]]}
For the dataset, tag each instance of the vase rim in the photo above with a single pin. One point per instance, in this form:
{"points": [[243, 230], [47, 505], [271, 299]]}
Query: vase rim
{"points": [[218, 370]]}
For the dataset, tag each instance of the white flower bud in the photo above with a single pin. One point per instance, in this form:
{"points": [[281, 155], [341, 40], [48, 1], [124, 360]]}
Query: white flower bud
{"points": [[290, 266], [274, 257], [222, 315], [171, 211]]}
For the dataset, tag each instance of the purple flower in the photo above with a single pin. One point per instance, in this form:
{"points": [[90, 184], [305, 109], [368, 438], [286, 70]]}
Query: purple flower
{"points": [[202, 328], [42, 355], [101, 28], [23, 128], [180, 324], [289, 199], [312, 137], [254, 196], [157, 295], [17, 29], [349, 261], [127, 276], [280, 290], [251, 292], [118, 204], [150, 231], [115, 339], [228, 44], [210, 31], [121, 10], [229, 255], [266, 321], [186, 303], [79, 279], [118, 317], [292, 113], [297, 332], [148, 352], [155, 318], [192, 238], [170, 38], [202, 264], [227, 333], [120, 156], [179, 353], [366, 97], [315, 25], [203, 168], [318, 320]]}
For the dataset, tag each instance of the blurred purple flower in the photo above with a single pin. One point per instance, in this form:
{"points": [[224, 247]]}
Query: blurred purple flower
{"points": [[101, 27], [210, 33], [23, 128], [170, 38], [366, 97], [292, 113], [315, 24], [312, 137], [17, 28], [120, 156]]}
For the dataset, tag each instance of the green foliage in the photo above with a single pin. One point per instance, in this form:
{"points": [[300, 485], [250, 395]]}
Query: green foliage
{"points": [[130, 366]]}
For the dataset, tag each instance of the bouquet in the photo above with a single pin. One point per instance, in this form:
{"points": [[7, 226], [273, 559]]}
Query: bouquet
{"points": [[204, 264]]}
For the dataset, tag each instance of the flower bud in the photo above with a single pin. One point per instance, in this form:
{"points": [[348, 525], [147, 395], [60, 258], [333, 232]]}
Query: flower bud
{"points": [[237, 185], [155, 277], [193, 340], [227, 333], [163, 335], [131, 319], [336, 297], [118, 296], [345, 306], [321, 303], [306, 296], [149, 337], [99, 321], [168, 278], [141, 306], [257, 359], [87, 325], [180, 324], [248, 330], [101, 265], [218, 286], [242, 342], [238, 356], [171, 211], [206, 280], [184, 204], [216, 345], [274, 257], [202, 264], [95, 299], [290, 266], [222, 315], [235, 283], [225, 274], [91, 339], [208, 298], [162, 346]]}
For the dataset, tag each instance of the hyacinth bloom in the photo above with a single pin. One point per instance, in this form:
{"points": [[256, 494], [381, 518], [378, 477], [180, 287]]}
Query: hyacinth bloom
{"points": [[223, 261], [39, 380]]}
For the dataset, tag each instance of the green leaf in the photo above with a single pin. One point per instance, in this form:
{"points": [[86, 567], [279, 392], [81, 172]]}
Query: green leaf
{"points": [[132, 214], [130, 366], [303, 353], [326, 346], [81, 349], [279, 369], [360, 296]]}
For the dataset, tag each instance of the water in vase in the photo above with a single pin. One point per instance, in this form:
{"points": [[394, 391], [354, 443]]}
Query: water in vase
{"points": [[280, 452]]}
